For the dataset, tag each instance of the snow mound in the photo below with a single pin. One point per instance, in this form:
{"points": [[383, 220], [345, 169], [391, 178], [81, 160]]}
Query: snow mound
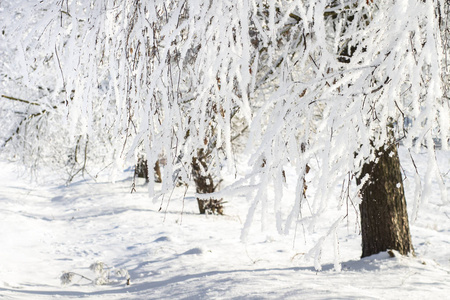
{"points": [[162, 239], [194, 251]]}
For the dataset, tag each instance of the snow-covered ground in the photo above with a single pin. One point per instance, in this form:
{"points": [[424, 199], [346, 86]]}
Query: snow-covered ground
{"points": [[47, 230]]}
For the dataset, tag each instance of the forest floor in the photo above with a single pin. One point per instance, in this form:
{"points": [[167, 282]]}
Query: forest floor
{"points": [[49, 229]]}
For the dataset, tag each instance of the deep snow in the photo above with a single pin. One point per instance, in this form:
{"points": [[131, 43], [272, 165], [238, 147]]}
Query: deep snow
{"points": [[48, 229]]}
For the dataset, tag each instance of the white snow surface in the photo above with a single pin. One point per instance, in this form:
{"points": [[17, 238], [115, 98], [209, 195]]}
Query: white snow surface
{"points": [[48, 229]]}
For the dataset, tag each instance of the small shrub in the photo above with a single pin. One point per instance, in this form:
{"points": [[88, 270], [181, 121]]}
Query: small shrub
{"points": [[103, 275]]}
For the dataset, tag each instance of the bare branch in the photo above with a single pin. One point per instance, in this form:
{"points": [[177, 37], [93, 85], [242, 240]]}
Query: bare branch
{"points": [[20, 100]]}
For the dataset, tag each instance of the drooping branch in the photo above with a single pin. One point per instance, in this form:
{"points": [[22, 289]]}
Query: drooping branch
{"points": [[28, 117]]}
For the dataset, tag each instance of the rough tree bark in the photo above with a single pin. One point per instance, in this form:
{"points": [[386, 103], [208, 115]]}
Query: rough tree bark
{"points": [[204, 184], [384, 218]]}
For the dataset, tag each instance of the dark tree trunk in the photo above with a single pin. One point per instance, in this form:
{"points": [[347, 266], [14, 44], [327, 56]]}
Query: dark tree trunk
{"points": [[204, 184], [157, 170], [384, 219], [141, 170]]}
